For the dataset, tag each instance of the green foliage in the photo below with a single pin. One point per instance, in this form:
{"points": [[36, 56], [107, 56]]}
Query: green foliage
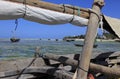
{"points": [[106, 36], [74, 37], [109, 36]]}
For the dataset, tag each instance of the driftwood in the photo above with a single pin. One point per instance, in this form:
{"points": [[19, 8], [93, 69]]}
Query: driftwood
{"points": [[53, 71], [114, 72], [55, 7]]}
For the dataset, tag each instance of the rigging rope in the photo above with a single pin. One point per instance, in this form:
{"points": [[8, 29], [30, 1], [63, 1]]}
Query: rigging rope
{"points": [[79, 11], [24, 2], [101, 26], [16, 24]]}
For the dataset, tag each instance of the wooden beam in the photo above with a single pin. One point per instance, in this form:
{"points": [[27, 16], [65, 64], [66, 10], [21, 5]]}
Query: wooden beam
{"points": [[114, 72], [91, 33], [52, 71], [55, 7]]}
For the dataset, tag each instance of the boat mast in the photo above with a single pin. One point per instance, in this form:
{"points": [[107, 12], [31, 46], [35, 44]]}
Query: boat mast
{"points": [[84, 60]]}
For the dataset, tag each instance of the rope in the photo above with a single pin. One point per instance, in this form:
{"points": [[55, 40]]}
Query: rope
{"points": [[24, 2], [25, 68], [101, 25], [64, 8], [75, 74], [16, 23], [81, 67], [92, 11], [35, 57], [16, 26], [73, 15], [78, 11]]}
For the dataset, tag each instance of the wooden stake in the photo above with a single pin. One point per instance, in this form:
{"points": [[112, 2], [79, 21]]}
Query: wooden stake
{"points": [[83, 66], [37, 52]]}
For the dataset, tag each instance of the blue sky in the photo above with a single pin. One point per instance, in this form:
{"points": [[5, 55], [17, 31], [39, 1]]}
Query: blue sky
{"points": [[28, 29]]}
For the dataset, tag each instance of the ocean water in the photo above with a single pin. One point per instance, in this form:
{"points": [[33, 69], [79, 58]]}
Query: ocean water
{"points": [[26, 48]]}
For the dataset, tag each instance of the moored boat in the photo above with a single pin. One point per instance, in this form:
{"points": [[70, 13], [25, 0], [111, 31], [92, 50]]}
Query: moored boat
{"points": [[14, 39], [118, 40], [80, 45]]}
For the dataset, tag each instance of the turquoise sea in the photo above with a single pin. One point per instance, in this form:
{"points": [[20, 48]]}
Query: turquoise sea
{"points": [[26, 47]]}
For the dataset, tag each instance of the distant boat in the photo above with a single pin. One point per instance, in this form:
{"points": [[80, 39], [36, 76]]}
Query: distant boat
{"points": [[56, 40], [14, 39], [80, 45], [69, 40], [118, 40]]}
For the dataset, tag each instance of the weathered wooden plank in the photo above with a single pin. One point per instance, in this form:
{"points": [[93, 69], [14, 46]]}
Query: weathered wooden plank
{"points": [[6, 65], [55, 7], [61, 59], [111, 72], [61, 74], [114, 72], [91, 33]]}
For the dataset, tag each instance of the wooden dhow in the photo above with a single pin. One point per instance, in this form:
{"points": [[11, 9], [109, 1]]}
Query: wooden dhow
{"points": [[13, 39], [35, 10]]}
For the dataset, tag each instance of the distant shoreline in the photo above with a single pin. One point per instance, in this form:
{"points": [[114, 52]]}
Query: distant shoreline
{"points": [[99, 40]]}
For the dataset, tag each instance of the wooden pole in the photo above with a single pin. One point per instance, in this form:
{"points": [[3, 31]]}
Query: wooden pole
{"points": [[83, 66], [113, 72], [37, 52], [55, 7]]}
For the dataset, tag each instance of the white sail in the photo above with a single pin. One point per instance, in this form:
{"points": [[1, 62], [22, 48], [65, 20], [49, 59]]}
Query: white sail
{"points": [[11, 10], [114, 24]]}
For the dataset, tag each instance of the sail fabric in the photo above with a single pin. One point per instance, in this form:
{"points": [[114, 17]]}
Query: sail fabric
{"points": [[113, 24], [11, 10]]}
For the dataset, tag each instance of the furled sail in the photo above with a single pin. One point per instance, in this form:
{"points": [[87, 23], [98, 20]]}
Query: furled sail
{"points": [[11, 10]]}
